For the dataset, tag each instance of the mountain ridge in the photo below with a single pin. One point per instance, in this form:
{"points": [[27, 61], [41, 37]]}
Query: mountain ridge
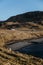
{"points": [[22, 20], [27, 17]]}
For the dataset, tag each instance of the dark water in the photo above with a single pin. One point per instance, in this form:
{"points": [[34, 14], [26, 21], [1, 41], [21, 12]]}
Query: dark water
{"points": [[33, 49]]}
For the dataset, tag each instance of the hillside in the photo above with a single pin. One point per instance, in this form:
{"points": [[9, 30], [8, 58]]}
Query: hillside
{"points": [[22, 20], [22, 27], [35, 16]]}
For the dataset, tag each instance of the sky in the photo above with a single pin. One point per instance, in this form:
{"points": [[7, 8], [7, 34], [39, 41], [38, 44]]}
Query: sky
{"points": [[10, 8]]}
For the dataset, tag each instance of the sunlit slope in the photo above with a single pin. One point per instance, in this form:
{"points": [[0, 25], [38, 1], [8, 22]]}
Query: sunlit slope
{"points": [[8, 57], [7, 36]]}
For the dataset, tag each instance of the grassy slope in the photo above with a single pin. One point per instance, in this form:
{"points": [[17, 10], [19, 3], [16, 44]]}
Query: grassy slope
{"points": [[10, 35], [8, 57], [27, 32], [15, 58]]}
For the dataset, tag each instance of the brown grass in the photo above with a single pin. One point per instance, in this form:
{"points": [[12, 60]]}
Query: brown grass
{"points": [[13, 35], [9, 57]]}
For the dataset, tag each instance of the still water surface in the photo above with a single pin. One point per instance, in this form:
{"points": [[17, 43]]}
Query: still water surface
{"points": [[35, 47]]}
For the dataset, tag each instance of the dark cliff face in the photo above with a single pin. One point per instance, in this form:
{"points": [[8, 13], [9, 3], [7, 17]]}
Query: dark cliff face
{"points": [[35, 16]]}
